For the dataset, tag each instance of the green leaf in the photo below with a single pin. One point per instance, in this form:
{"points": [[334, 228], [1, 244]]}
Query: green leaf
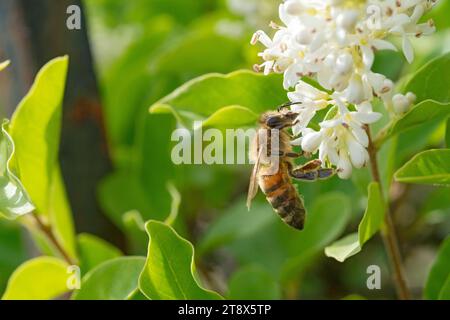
{"points": [[439, 14], [169, 271], [115, 279], [432, 81], [231, 117], [42, 278], [439, 273], [14, 200], [344, 248], [430, 84], [135, 232], [242, 94], [374, 216], [421, 114], [94, 251], [429, 167], [445, 292], [35, 129], [253, 283], [137, 295], [369, 225], [154, 167]]}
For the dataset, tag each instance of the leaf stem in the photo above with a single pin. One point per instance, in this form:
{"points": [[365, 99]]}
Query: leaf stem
{"points": [[389, 233], [49, 233]]}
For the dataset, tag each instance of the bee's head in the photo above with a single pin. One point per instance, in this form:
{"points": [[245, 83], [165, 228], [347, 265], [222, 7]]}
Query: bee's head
{"points": [[278, 119]]}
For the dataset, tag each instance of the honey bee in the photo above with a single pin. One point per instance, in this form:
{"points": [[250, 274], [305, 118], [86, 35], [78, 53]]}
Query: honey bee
{"points": [[273, 169]]}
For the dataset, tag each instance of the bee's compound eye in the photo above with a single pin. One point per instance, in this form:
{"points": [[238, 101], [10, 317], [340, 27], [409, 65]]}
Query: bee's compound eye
{"points": [[274, 122]]}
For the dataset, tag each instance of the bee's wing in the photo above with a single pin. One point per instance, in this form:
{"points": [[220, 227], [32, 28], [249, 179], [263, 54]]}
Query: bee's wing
{"points": [[253, 187]]}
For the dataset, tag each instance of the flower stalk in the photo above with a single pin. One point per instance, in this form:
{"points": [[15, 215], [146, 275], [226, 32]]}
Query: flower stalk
{"points": [[389, 233], [51, 237]]}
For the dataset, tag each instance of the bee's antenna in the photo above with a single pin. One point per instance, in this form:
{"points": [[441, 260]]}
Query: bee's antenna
{"points": [[288, 104]]}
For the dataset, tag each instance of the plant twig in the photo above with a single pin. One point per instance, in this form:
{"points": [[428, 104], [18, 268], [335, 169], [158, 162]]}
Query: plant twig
{"points": [[389, 234], [49, 233]]}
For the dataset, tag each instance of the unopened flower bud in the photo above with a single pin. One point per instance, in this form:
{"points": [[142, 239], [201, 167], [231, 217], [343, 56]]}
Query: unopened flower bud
{"points": [[401, 103]]}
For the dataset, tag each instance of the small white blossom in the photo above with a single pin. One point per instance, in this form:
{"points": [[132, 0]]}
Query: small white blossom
{"points": [[334, 42]]}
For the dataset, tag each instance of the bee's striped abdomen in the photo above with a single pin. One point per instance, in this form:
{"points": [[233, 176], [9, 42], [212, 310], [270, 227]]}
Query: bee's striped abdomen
{"points": [[284, 199]]}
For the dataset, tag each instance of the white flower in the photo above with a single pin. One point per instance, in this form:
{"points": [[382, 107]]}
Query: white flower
{"points": [[308, 100], [341, 141], [400, 18], [334, 42]]}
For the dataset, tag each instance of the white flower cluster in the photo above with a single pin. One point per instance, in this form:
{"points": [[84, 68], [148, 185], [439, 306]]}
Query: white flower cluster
{"points": [[334, 41]]}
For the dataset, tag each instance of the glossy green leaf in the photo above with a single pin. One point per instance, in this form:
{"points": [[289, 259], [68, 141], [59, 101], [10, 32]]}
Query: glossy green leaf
{"points": [[154, 167], [423, 113], [432, 81], [94, 251], [253, 283], [242, 93], [231, 117], [429, 167], [439, 273], [115, 279], [374, 216], [430, 84], [35, 129], [439, 14], [41, 278], [169, 271], [14, 200], [344, 248], [369, 225], [137, 295]]}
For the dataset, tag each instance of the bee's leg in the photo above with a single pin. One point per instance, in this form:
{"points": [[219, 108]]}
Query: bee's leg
{"points": [[311, 171], [291, 154]]}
